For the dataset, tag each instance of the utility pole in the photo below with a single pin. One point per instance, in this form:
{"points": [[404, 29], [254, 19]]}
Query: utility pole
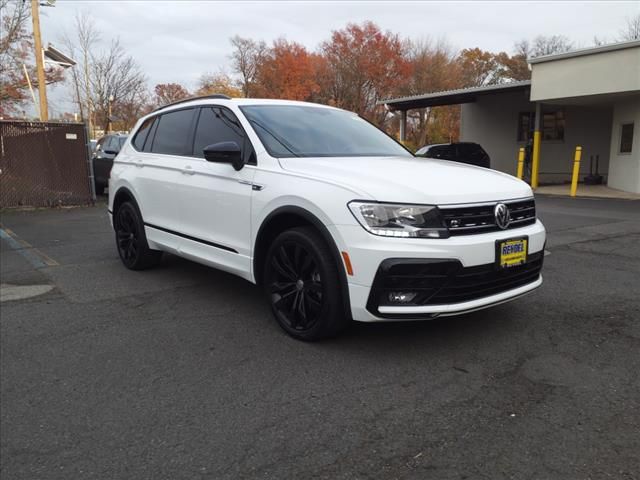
{"points": [[37, 40]]}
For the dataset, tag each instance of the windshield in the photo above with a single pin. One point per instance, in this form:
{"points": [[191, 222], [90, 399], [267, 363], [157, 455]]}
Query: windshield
{"points": [[307, 131]]}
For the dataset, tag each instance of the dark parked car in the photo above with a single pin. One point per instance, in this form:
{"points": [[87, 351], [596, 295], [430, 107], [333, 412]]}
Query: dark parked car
{"points": [[106, 150], [463, 152]]}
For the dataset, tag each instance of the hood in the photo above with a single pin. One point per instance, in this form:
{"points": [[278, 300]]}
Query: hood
{"points": [[412, 179]]}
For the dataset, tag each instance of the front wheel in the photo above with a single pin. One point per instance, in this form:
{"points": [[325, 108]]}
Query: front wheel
{"points": [[303, 286]]}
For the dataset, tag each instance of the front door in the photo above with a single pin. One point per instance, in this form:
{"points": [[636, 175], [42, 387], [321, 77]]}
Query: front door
{"points": [[217, 198]]}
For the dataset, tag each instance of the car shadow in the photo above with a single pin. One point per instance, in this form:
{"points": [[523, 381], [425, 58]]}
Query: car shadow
{"points": [[389, 336]]}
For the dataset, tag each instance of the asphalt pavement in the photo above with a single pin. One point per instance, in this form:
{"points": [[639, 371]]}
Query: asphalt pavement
{"points": [[180, 372]]}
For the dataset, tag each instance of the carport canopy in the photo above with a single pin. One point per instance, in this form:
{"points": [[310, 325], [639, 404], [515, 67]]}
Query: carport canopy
{"points": [[451, 97]]}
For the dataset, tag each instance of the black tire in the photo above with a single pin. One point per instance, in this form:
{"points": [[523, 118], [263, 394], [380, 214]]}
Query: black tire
{"points": [[131, 240], [302, 285], [99, 188]]}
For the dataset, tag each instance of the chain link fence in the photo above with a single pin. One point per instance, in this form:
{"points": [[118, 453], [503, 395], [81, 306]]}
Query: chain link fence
{"points": [[44, 164]]}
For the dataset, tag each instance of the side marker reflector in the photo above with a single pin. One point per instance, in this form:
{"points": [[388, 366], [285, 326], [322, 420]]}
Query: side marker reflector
{"points": [[347, 263]]}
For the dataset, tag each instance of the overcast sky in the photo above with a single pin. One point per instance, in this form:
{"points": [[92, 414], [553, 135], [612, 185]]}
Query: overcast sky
{"points": [[177, 41]]}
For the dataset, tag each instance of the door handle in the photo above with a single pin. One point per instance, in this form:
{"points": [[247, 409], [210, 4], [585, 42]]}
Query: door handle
{"points": [[139, 163], [188, 170]]}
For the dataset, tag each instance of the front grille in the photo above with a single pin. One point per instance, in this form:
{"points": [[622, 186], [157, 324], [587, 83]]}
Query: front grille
{"points": [[442, 282], [481, 219]]}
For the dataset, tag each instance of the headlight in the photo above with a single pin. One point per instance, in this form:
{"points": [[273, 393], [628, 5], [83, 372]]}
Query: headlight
{"points": [[392, 220]]}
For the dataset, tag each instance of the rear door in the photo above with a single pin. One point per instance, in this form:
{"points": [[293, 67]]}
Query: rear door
{"points": [[161, 170]]}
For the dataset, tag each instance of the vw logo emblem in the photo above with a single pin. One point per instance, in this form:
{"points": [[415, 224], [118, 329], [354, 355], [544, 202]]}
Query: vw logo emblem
{"points": [[503, 216]]}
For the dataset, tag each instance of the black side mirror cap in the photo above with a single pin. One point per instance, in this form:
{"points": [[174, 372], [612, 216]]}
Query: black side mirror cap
{"points": [[224, 152]]}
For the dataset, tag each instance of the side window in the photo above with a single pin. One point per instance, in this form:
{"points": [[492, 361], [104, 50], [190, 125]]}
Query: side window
{"points": [[141, 135], [219, 125], [173, 134], [626, 138], [152, 134]]}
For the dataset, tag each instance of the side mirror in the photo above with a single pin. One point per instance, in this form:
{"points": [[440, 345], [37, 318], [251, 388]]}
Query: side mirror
{"points": [[224, 152]]}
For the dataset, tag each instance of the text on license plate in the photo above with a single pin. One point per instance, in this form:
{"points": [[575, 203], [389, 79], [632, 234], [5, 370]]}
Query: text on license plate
{"points": [[513, 252]]}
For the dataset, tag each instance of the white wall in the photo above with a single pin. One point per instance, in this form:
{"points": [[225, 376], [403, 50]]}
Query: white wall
{"points": [[595, 74], [492, 122], [624, 170]]}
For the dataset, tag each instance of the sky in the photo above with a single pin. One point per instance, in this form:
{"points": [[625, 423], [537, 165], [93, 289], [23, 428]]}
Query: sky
{"points": [[177, 41]]}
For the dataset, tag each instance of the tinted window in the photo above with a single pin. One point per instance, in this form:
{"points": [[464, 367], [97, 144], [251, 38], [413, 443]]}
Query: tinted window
{"points": [[121, 141], [217, 125], [441, 151], [173, 135], [472, 153], [470, 150], [152, 133], [143, 131], [307, 131]]}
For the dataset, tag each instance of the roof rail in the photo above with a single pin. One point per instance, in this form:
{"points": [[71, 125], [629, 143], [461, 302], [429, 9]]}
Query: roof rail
{"points": [[202, 97]]}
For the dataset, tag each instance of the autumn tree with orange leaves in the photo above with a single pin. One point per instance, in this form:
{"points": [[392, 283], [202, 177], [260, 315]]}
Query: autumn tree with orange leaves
{"points": [[16, 54], [169, 92], [365, 65], [288, 71]]}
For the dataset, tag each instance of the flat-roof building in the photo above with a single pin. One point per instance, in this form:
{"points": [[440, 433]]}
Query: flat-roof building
{"points": [[588, 98]]}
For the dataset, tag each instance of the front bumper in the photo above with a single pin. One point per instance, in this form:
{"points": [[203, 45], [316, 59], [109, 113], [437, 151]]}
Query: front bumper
{"points": [[471, 254]]}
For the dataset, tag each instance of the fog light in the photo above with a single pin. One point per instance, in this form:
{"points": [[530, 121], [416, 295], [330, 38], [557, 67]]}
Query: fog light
{"points": [[401, 297]]}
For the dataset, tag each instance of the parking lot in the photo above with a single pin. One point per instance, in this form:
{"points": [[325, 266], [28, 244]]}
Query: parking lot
{"points": [[180, 372]]}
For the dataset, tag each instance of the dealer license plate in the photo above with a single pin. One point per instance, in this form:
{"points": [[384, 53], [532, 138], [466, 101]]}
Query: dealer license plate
{"points": [[512, 252]]}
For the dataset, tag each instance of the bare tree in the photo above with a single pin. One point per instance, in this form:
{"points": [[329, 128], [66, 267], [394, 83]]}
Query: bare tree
{"points": [[115, 79], [103, 74], [548, 45], [631, 31], [80, 49], [246, 59]]}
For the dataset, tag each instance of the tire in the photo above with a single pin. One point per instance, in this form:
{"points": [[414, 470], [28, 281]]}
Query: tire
{"points": [[131, 240], [99, 188], [302, 285]]}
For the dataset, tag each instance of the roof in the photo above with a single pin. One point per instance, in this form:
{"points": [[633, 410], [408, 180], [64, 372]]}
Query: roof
{"points": [[452, 97], [586, 51]]}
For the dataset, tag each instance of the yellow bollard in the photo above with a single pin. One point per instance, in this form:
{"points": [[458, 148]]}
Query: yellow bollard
{"points": [[535, 163], [576, 171], [520, 163]]}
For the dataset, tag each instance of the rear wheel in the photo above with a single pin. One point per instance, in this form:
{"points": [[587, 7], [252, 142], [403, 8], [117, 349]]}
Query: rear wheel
{"points": [[131, 240], [302, 285]]}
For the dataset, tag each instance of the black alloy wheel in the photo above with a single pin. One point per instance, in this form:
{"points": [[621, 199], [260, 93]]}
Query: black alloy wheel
{"points": [[131, 240], [302, 285]]}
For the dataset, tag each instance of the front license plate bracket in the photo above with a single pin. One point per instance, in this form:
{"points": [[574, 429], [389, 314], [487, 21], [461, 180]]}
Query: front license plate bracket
{"points": [[511, 252]]}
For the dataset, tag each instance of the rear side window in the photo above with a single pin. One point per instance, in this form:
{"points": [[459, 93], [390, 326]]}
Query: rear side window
{"points": [[174, 133], [219, 125], [141, 135]]}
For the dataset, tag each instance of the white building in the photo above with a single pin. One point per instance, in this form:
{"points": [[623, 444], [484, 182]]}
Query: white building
{"points": [[588, 98]]}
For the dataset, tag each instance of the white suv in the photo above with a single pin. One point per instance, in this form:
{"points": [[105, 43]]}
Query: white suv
{"points": [[335, 219]]}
